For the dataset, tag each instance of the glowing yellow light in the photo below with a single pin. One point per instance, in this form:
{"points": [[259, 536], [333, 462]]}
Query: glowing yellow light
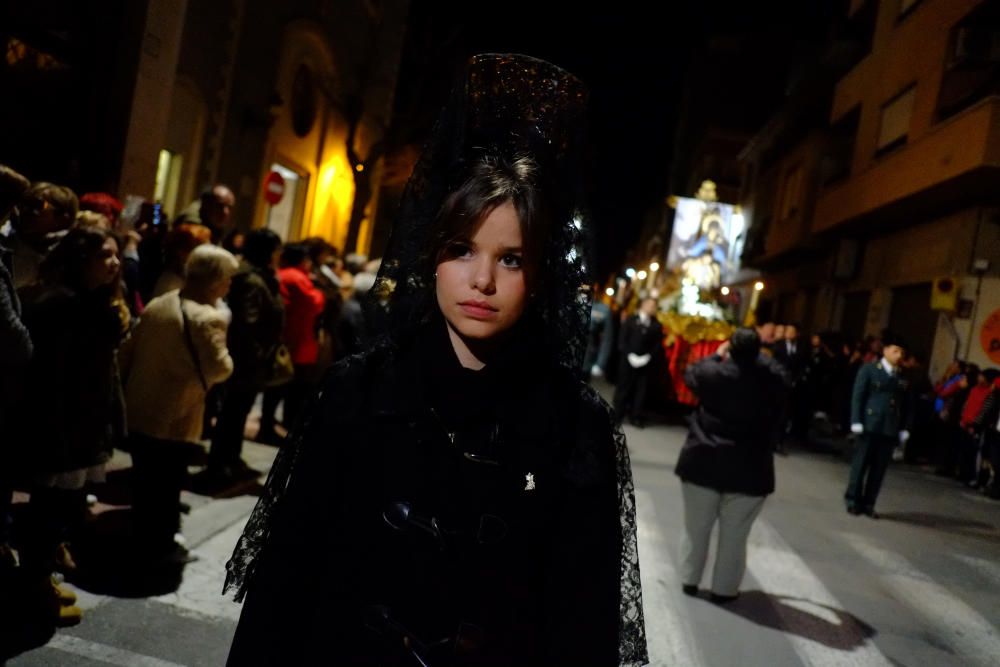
{"points": [[725, 291], [360, 168], [610, 291], [759, 286], [642, 275], [332, 201], [654, 267]]}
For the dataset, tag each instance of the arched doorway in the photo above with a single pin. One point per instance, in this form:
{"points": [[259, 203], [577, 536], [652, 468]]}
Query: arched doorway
{"points": [[306, 145]]}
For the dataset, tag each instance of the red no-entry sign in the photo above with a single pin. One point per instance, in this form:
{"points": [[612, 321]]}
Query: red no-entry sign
{"points": [[274, 188]]}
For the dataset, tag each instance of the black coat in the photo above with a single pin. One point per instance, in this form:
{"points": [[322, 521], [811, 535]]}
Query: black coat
{"points": [[70, 413], [15, 341], [728, 447], [793, 363], [639, 338], [516, 541], [257, 325]]}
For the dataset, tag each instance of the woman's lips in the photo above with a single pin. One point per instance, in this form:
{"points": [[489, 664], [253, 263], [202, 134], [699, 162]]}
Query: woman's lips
{"points": [[478, 310]]}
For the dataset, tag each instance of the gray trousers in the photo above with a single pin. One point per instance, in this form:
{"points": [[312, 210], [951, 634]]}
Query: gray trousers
{"points": [[735, 514]]}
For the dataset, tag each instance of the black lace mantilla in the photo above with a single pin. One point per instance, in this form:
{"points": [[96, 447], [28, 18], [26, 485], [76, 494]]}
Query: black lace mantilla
{"points": [[508, 105]]}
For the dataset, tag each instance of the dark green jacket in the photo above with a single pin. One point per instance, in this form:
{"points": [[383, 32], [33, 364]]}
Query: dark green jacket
{"points": [[880, 401]]}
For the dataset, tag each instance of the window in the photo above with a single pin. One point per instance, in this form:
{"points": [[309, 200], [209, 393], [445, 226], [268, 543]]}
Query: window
{"points": [[895, 122], [972, 62], [835, 164], [791, 193], [168, 175]]}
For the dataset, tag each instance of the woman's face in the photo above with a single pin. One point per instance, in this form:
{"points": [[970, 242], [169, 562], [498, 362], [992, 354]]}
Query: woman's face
{"points": [[481, 286], [103, 267]]}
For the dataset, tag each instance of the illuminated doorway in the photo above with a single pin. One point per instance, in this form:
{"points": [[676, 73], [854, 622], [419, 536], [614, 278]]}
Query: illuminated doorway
{"points": [[285, 217]]}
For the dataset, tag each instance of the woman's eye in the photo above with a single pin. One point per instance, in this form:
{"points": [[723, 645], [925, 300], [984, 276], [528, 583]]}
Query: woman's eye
{"points": [[511, 261]]}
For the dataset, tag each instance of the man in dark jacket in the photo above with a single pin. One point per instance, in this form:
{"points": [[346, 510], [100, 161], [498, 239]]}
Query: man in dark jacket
{"points": [[726, 464], [793, 357], [253, 338], [880, 418], [639, 346]]}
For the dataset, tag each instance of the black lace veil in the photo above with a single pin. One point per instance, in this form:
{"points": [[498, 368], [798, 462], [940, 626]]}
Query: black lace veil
{"points": [[507, 106]]}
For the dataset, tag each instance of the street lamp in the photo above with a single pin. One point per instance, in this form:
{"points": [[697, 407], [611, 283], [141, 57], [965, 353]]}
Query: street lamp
{"points": [[630, 272], [751, 317], [610, 291], [641, 275], [725, 291], [655, 266]]}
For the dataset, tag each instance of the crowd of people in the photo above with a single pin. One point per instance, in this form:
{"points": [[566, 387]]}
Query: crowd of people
{"points": [[951, 424], [149, 336], [770, 386]]}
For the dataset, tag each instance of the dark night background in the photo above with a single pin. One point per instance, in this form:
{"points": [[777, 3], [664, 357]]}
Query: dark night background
{"points": [[736, 57]]}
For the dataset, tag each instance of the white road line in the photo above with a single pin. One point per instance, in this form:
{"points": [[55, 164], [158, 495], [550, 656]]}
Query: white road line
{"points": [[667, 632], [104, 653], [988, 569], [959, 626], [806, 607]]}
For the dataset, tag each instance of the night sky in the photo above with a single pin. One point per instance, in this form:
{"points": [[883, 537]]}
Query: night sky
{"points": [[636, 61]]}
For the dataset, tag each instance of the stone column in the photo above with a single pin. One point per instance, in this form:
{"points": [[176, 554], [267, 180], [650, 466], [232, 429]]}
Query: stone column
{"points": [[151, 97]]}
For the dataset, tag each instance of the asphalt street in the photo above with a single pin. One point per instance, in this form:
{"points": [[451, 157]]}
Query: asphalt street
{"points": [[920, 586]]}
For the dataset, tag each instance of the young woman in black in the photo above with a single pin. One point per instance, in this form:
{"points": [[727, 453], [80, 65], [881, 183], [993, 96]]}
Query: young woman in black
{"points": [[456, 495]]}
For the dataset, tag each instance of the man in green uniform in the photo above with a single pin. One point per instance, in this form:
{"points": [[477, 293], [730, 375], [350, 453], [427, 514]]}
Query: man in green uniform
{"points": [[879, 409]]}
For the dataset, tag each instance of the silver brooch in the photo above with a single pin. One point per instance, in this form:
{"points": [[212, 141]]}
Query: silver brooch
{"points": [[529, 482]]}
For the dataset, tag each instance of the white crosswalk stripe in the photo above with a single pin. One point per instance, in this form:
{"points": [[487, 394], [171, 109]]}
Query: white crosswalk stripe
{"points": [[987, 569], [812, 616], [104, 653], [201, 589], [955, 623], [667, 632]]}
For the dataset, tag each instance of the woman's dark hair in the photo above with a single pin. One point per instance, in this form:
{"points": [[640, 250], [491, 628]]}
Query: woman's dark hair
{"points": [[66, 264], [317, 247], [493, 182], [12, 187], [58, 197], [294, 254], [259, 247], [744, 346]]}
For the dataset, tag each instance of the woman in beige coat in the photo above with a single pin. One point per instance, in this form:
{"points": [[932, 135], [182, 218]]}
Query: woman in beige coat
{"points": [[175, 355]]}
